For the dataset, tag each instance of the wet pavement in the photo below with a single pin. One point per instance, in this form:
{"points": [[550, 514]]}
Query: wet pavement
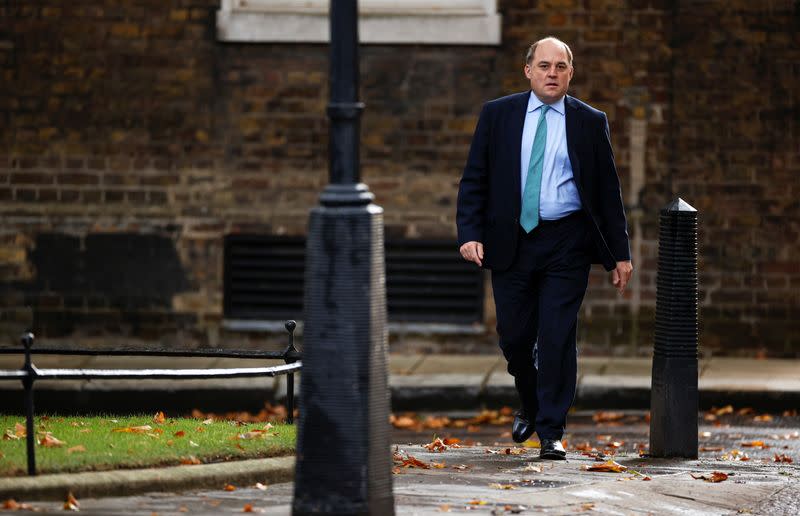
{"points": [[488, 474]]}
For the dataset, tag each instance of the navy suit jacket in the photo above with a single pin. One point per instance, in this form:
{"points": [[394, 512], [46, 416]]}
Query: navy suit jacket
{"points": [[489, 196]]}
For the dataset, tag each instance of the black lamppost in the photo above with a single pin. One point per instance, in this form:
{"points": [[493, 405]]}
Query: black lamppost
{"points": [[343, 444]]}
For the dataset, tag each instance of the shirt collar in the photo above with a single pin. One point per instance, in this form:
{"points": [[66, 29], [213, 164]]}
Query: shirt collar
{"points": [[534, 103]]}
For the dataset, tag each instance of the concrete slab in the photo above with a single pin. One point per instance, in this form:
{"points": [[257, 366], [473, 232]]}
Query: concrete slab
{"points": [[404, 364], [461, 364], [437, 380]]}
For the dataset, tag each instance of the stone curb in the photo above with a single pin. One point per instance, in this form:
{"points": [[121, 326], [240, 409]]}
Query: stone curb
{"points": [[136, 481]]}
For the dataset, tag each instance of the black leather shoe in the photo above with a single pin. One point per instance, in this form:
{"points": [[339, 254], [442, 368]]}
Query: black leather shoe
{"points": [[522, 428], [552, 449]]}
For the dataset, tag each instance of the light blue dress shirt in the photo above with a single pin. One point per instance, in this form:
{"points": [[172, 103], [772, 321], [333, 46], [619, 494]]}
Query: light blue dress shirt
{"points": [[559, 194]]}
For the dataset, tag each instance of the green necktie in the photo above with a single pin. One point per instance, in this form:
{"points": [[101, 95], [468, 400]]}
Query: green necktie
{"points": [[533, 184]]}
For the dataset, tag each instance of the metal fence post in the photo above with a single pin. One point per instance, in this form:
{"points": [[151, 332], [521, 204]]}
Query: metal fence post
{"points": [[290, 349], [674, 393], [27, 383]]}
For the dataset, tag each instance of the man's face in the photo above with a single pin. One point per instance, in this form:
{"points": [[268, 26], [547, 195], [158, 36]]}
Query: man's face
{"points": [[549, 72]]}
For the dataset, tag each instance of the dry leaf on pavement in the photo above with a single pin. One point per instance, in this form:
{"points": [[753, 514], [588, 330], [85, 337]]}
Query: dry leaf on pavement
{"points": [[437, 445], [715, 476], [502, 486], [229, 487], [605, 417], [533, 468], [755, 444], [477, 502], [783, 458], [71, 503], [260, 486], [763, 418], [608, 466]]}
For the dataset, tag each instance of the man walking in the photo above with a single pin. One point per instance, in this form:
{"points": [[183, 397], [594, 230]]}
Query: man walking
{"points": [[538, 203]]}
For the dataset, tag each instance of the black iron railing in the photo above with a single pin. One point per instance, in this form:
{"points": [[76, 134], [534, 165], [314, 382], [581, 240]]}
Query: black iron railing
{"points": [[29, 373]]}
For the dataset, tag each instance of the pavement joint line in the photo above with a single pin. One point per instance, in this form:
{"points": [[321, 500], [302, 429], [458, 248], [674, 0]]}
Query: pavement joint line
{"points": [[487, 377], [416, 365]]}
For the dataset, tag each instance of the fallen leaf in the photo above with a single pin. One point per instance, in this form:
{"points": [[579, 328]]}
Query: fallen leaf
{"points": [[160, 418], [85, 431], [763, 418], [746, 411], [438, 465], [9, 435], [755, 444], [711, 448], [248, 507], [437, 445], [192, 443], [14, 505], [715, 476], [727, 409], [229, 487], [260, 486], [531, 444], [435, 423], [502, 486], [450, 441], [252, 434], [19, 430], [444, 508], [76, 449], [200, 429], [143, 429], [208, 421], [587, 506], [735, 455], [50, 441], [607, 466], [461, 467], [477, 502], [183, 508], [179, 433], [604, 417], [790, 413], [402, 422], [783, 458], [71, 503], [190, 460]]}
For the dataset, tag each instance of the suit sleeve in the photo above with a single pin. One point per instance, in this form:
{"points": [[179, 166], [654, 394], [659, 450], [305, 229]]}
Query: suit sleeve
{"points": [[610, 207], [473, 188]]}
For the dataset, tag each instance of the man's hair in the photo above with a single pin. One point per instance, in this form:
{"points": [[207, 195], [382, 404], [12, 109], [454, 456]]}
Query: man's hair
{"points": [[532, 49]]}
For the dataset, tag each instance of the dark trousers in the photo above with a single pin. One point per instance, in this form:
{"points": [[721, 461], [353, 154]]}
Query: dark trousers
{"points": [[537, 301]]}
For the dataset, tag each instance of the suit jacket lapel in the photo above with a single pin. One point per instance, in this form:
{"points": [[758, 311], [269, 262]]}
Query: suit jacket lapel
{"points": [[517, 122], [574, 122]]}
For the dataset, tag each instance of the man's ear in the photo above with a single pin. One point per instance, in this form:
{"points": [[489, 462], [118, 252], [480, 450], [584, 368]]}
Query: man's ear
{"points": [[528, 71]]}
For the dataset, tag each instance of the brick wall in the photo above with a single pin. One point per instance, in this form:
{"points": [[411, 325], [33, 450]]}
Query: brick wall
{"points": [[132, 141]]}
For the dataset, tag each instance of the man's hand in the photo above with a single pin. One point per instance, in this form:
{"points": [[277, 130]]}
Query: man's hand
{"points": [[621, 275], [473, 252]]}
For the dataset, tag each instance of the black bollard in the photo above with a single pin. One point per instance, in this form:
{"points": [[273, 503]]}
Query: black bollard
{"points": [[27, 383], [674, 393], [343, 444]]}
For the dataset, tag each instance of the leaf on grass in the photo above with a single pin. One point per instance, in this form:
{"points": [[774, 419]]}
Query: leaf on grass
{"points": [[260, 486], [85, 431], [192, 443], [608, 466], [76, 449], [783, 458], [71, 503], [9, 435], [229, 487], [200, 429], [50, 441], [179, 433], [133, 429], [208, 421], [715, 476], [190, 460], [160, 418], [502, 486]]}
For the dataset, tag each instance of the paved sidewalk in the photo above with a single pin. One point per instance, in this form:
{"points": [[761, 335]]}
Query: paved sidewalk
{"points": [[418, 382]]}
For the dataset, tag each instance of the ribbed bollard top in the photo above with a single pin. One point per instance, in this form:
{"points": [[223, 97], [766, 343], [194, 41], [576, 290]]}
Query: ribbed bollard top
{"points": [[676, 331]]}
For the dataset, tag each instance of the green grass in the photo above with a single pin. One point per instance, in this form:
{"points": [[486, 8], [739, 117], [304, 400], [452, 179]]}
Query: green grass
{"points": [[106, 449]]}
